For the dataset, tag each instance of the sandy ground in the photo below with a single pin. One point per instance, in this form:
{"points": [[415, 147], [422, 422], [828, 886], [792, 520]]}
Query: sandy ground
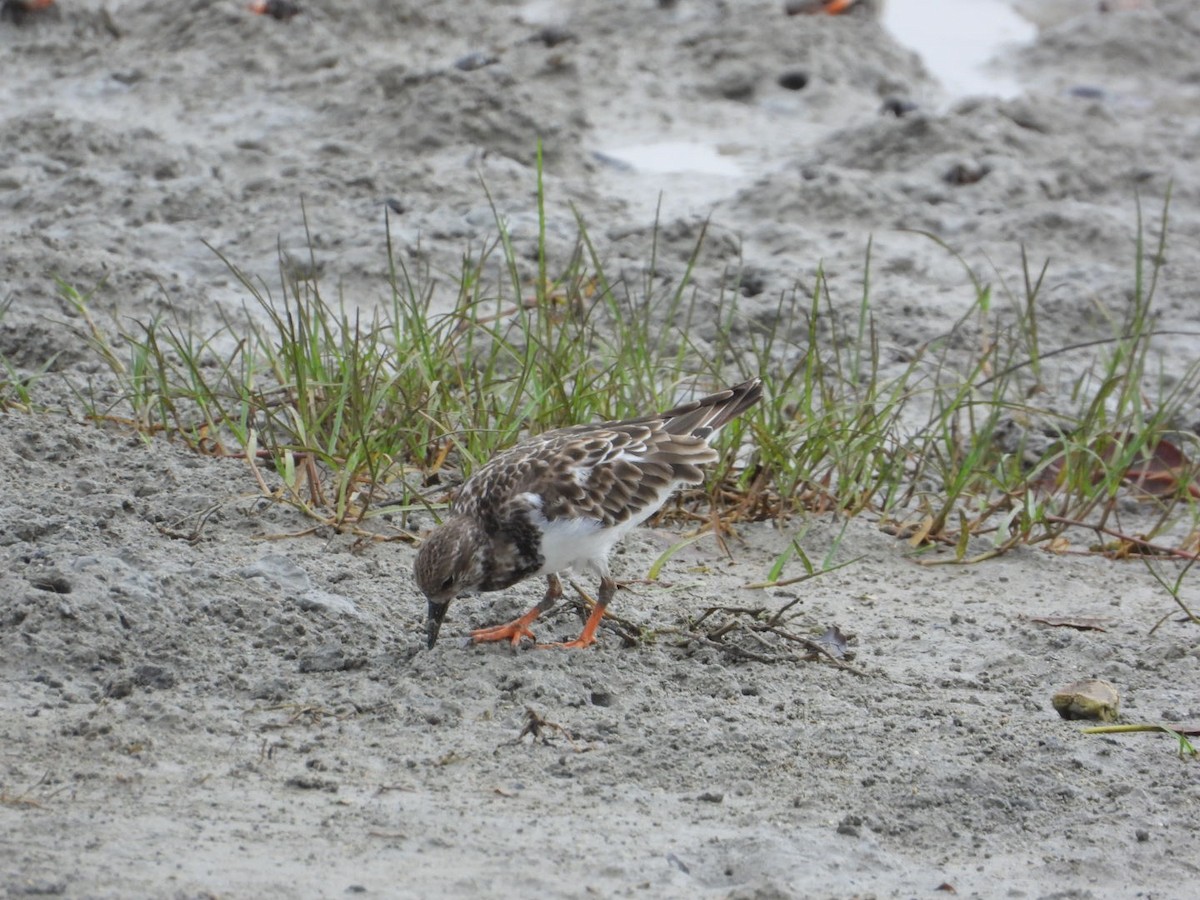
{"points": [[238, 717]]}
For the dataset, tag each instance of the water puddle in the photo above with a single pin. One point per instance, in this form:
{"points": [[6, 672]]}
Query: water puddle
{"points": [[960, 41], [672, 157]]}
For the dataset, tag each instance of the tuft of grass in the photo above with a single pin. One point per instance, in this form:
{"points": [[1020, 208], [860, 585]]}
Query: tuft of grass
{"points": [[950, 444], [396, 403], [17, 388]]}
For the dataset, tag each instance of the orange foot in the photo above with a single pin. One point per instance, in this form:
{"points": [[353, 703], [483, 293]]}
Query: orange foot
{"points": [[833, 7], [587, 637], [512, 631], [578, 644]]}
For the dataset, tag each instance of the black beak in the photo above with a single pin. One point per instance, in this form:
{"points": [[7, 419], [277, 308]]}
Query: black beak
{"points": [[437, 612]]}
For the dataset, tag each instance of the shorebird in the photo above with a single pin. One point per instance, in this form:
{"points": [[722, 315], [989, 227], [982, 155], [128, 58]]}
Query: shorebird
{"points": [[563, 499]]}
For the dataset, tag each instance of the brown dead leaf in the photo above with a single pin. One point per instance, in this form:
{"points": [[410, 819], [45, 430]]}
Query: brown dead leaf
{"points": [[1080, 623], [1163, 471], [922, 532], [1059, 545]]}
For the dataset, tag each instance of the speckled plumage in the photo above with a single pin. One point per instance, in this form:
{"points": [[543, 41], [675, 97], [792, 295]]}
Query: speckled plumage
{"points": [[563, 499]]}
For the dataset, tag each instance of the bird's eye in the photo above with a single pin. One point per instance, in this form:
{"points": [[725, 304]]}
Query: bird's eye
{"points": [[448, 583]]}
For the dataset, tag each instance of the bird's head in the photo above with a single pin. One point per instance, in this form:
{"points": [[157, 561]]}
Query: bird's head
{"points": [[450, 562]]}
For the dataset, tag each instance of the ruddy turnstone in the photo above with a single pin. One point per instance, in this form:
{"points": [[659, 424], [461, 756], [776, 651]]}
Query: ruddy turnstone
{"points": [[563, 499]]}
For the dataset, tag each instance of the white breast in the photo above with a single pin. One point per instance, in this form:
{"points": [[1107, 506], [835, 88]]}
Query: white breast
{"points": [[574, 543]]}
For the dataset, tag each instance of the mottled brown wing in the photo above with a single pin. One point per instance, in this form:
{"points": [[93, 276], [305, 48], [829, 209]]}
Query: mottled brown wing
{"points": [[626, 471], [612, 471]]}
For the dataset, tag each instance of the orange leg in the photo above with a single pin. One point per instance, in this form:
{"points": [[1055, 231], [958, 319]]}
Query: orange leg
{"points": [[833, 7], [587, 637], [519, 628]]}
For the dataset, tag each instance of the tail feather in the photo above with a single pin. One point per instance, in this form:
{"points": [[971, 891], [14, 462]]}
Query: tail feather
{"points": [[703, 418]]}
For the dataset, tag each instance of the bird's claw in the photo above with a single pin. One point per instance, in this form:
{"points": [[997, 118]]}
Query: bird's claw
{"points": [[577, 644], [513, 632]]}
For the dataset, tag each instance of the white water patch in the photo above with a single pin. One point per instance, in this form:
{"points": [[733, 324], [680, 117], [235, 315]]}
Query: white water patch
{"points": [[961, 42], [703, 173], [672, 157]]}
